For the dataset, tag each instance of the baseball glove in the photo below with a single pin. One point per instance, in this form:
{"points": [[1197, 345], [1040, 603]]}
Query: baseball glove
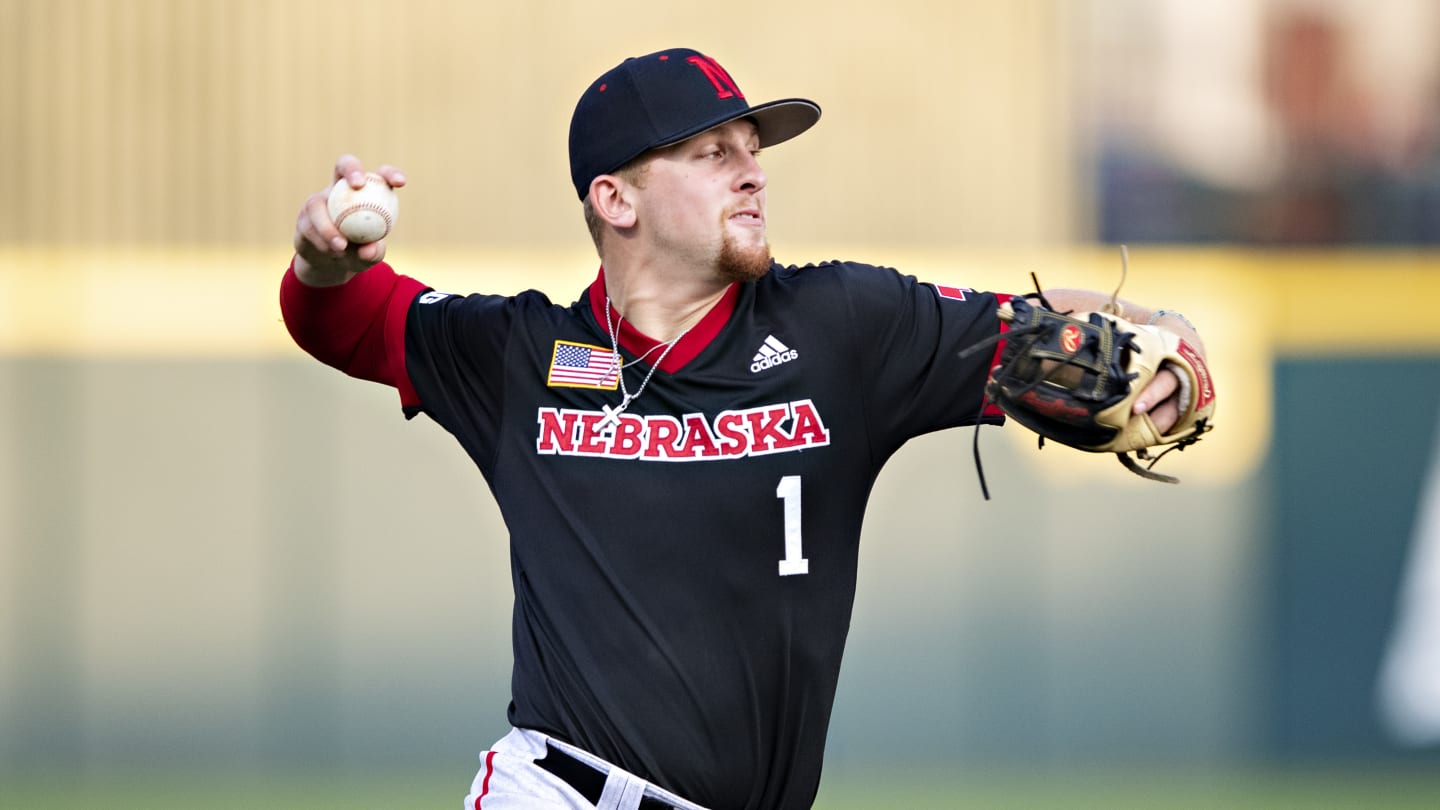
{"points": [[1074, 379]]}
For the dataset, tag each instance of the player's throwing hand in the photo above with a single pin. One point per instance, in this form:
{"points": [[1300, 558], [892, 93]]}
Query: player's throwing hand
{"points": [[323, 256]]}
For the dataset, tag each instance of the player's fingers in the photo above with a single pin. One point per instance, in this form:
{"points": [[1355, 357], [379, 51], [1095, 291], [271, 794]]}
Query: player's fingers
{"points": [[392, 175], [351, 169], [315, 231], [1166, 415], [1161, 388], [371, 252]]}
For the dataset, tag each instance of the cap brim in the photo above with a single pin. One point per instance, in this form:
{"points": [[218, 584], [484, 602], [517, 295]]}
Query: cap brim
{"points": [[777, 121]]}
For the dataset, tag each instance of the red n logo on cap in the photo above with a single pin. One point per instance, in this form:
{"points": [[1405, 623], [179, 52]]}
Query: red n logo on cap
{"points": [[724, 85]]}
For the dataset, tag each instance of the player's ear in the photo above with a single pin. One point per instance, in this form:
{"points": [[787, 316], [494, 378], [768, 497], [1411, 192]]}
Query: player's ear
{"points": [[610, 197]]}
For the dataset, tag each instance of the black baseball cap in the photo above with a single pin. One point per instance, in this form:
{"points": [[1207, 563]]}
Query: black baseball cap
{"points": [[661, 99]]}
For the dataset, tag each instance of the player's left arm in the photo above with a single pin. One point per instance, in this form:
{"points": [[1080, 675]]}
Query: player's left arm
{"points": [[1161, 398]]}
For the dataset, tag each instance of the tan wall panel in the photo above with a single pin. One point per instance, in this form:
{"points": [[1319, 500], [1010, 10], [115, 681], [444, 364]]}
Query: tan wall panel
{"points": [[174, 121]]}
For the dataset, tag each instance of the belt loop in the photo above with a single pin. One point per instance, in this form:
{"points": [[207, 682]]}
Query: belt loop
{"points": [[634, 792], [622, 792]]}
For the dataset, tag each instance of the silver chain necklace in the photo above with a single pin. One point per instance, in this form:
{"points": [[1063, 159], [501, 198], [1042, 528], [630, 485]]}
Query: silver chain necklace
{"points": [[612, 416]]}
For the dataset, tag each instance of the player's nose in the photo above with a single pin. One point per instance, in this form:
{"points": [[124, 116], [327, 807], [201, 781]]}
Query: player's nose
{"points": [[750, 176]]}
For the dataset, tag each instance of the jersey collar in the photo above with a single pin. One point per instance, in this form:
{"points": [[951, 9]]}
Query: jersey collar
{"points": [[689, 346]]}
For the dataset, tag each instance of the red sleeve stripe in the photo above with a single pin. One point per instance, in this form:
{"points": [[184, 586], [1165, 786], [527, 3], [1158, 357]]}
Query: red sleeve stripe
{"points": [[991, 409], [397, 312]]}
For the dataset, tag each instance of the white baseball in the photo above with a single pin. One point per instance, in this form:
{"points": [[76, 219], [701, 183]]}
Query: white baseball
{"points": [[365, 214]]}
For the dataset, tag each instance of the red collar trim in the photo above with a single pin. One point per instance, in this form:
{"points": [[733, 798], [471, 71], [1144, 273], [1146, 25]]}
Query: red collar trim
{"points": [[689, 346]]}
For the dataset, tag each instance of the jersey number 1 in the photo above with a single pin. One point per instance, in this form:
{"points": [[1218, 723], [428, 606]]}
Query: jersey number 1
{"points": [[794, 562]]}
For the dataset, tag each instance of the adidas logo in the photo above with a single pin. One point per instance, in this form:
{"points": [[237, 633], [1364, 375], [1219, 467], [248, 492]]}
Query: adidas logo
{"points": [[772, 353]]}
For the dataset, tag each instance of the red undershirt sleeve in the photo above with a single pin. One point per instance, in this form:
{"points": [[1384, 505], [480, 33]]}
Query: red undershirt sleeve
{"points": [[357, 327]]}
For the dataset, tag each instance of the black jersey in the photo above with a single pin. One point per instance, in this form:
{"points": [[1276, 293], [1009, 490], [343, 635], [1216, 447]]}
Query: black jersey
{"points": [[684, 574]]}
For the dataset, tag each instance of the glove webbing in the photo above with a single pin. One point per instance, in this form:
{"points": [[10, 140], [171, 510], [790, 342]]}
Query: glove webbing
{"points": [[986, 400], [1034, 333]]}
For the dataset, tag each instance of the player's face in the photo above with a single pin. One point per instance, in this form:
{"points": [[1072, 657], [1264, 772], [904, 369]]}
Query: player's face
{"points": [[704, 201]]}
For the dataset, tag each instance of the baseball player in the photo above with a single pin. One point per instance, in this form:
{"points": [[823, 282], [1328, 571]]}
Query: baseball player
{"points": [[682, 455]]}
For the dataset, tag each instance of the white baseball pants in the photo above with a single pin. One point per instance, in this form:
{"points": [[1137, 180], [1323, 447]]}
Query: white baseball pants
{"points": [[510, 779]]}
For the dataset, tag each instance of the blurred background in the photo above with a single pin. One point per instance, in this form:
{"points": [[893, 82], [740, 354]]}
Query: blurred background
{"points": [[230, 575]]}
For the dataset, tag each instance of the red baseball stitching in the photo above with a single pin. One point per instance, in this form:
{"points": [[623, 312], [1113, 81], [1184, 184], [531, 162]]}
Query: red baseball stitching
{"points": [[366, 206]]}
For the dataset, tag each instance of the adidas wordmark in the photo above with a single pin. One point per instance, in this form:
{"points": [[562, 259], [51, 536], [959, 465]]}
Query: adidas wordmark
{"points": [[772, 353]]}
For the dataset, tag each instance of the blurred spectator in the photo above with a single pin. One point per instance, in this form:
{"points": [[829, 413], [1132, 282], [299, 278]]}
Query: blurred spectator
{"points": [[1330, 174], [1319, 150]]}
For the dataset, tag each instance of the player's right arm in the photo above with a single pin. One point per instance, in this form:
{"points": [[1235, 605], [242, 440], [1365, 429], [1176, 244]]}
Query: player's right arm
{"points": [[342, 315], [323, 257]]}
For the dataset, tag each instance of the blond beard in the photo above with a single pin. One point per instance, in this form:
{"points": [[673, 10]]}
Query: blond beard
{"points": [[742, 264]]}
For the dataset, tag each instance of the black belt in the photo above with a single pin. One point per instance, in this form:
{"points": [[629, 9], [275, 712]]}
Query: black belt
{"points": [[587, 780]]}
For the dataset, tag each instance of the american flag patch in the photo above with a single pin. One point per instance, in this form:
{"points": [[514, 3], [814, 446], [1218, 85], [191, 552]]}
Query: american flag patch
{"points": [[578, 365], [953, 293]]}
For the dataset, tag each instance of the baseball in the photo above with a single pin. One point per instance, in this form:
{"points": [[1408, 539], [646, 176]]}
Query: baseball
{"points": [[365, 214]]}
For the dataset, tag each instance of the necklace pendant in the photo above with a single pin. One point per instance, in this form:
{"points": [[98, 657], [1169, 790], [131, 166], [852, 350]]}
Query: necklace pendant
{"points": [[611, 419]]}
